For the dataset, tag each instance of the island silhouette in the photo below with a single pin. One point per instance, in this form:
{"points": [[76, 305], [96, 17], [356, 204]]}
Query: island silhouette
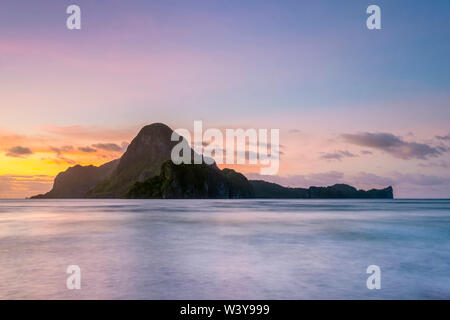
{"points": [[146, 171]]}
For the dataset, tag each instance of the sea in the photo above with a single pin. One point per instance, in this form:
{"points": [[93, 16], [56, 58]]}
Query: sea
{"points": [[225, 249]]}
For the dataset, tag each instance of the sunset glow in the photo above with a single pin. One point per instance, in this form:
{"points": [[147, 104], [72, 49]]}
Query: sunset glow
{"points": [[352, 105]]}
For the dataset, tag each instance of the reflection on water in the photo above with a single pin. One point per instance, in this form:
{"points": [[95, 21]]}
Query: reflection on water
{"points": [[224, 249]]}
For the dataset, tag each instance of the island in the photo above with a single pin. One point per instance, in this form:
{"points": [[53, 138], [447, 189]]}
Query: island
{"points": [[145, 171]]}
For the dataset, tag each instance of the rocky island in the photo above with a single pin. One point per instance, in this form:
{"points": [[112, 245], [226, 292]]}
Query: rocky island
{"points": [[145, 171]]}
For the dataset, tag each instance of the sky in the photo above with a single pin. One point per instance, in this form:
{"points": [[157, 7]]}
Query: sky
{"points": [[366, 107]]}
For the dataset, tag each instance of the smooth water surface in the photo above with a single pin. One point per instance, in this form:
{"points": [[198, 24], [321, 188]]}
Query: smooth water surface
{"points": [[225, 249]]}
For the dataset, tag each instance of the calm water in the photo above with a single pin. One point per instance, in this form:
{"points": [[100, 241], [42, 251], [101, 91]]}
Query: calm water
{"points": [[216, 249]]}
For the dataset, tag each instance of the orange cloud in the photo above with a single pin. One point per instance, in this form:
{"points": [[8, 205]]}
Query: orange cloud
{"points": [[21, 186], [92, 133]]}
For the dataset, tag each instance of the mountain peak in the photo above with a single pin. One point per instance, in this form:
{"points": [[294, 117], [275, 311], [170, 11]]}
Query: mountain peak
{"points": [[156, 126], [142, 160]]}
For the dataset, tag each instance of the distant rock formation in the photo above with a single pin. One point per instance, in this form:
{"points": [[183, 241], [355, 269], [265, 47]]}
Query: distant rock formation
{"points": [[76, 181], [263, 189], [145, 170]]}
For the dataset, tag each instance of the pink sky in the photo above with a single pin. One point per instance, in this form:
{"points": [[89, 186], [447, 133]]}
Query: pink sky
{"points": [[234, 65]]}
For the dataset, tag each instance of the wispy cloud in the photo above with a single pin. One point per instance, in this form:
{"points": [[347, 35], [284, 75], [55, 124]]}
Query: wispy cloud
{"points": [[21, 186], [435, 164], [19, 152], [112, 147], [394, 145], [338, 155], [60, 158], [446, 138], [87, 149], [90, 133], [60, 150]]}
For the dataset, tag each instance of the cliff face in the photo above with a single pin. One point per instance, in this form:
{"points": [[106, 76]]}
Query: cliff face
{"points": [[265, 189], [76, 181], [142, 160], [189, 181]]}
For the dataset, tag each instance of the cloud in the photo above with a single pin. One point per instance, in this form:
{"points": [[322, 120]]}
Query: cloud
{"points": [[397, 178], [19, 152], [90, 133], [366, 152], [87, 149], [21, 186], [420, 179], [10, 140], [446, 138], [60, 158], [394, 145], [435, 164], [112, 147], [338, 155], [60, 150], [371, 180]]}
